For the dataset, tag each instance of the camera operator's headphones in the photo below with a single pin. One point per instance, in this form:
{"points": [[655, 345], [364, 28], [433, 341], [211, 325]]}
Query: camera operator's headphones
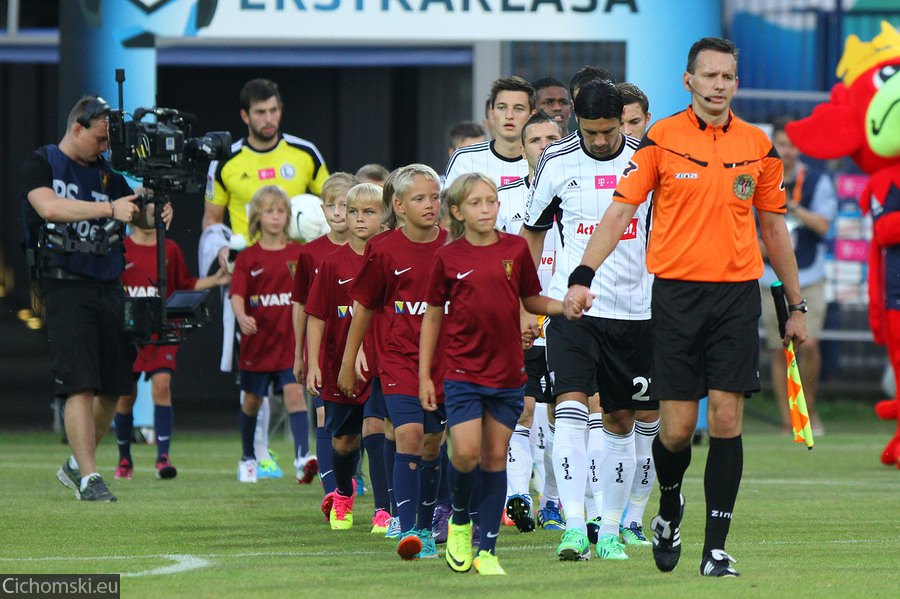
{"points": [[95, 108]]}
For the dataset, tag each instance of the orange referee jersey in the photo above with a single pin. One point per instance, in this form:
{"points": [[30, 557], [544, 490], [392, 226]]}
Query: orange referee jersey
{"points": [[706, 181]]}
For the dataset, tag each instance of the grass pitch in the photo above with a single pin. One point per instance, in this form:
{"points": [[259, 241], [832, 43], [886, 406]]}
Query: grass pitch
{"points": [[822, 523]]}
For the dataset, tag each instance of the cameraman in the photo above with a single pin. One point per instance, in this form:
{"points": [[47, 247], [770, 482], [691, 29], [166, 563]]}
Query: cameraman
{"points": [[82, 291]]}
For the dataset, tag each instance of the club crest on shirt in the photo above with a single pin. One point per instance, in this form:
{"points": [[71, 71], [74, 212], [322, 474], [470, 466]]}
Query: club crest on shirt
{"points": [[104, 181], [292, 267], [743, 187], [287, 171], [508, 266]]}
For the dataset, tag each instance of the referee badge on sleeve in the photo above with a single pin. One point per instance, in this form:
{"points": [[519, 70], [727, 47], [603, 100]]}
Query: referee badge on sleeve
{"points": [[508, 266]]}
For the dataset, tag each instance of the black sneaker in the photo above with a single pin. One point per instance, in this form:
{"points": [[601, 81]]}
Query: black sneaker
{"points": [[518, 509], [96, 490], [70, 477], [593, 530], [164, 468], [718, 563], [667, 540]]}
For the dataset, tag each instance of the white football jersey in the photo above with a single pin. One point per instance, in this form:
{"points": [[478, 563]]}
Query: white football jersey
{"points": [[570, 181], [481, 158], [513, 198]]}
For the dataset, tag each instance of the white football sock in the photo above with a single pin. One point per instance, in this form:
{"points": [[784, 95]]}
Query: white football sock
{"points": [[617, 472], [518, 463], [539, 434], [261, 436], [594, 455], [550, 492], [570, 460], [645, 471]]}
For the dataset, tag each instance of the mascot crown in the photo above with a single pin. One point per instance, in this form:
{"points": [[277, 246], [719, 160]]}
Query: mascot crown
{"points": [[860, 56]]}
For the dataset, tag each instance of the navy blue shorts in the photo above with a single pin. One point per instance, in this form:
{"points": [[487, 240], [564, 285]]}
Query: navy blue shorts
{"points": [[343, 419], [257, 383], [467, 401], [375, 407], [406, 409]]}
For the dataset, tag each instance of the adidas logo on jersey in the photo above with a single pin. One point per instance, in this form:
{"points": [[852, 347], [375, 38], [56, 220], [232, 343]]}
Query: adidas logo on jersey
{"points": [[270, 299], [516, 219], [573, 184]]}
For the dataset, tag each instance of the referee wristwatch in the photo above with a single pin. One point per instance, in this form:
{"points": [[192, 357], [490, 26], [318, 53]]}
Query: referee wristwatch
{"points": [[801, 307]]}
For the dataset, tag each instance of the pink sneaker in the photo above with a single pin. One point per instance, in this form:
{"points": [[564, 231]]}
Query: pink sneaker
{"points": [[381, 522], [341, 517], [124, 470], [327, 502]]}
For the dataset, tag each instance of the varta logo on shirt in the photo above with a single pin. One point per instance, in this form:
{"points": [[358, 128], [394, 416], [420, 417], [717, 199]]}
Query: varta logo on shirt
{"points": [[415, 308], [345, 311], [270, 299], [141, 291]]}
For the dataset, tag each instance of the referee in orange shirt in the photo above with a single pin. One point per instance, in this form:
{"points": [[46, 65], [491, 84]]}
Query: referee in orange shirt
{"points": [[708, 171]]}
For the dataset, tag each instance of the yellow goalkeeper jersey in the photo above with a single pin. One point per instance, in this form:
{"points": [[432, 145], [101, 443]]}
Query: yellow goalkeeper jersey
{"points": [[294, 163]]}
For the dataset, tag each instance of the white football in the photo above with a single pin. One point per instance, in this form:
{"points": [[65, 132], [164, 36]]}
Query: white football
{"points": [[307, 218]]}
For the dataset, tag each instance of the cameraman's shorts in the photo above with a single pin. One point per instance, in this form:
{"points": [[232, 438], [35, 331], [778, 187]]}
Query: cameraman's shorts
{"points": [[84, 326]]}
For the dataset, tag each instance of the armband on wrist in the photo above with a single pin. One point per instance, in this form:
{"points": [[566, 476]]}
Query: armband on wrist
{"points": [[112, 210], [801, 307], [582, 275]]}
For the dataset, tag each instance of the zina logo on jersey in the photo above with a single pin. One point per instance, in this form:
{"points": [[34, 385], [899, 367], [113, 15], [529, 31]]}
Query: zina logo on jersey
{"points": [[270, 299], [345, 311]]}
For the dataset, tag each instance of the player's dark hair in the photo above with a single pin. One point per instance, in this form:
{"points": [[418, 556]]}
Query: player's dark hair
{"points": [[258, 90], [372, 173], [632, 94], [464, 130], [589, 73], [537, 118], [457, 193], [545, 82], [512, 84], [716, 44], [599, 100]]}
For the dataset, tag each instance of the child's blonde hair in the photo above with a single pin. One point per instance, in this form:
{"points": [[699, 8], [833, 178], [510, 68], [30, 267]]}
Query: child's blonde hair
{"points": [[337, 184], [363, 193], [457, 193], [263, 195]]}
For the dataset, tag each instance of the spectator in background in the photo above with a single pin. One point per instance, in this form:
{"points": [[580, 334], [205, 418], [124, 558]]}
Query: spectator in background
{"points": [[811, 204]]}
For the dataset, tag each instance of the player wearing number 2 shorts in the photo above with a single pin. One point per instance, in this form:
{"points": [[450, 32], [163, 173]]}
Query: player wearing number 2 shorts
{"points": [[609, 349]]}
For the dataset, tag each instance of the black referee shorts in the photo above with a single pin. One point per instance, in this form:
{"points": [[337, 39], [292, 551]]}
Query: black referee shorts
{"points": [[84, 326], [705, 336], [612, 357]]}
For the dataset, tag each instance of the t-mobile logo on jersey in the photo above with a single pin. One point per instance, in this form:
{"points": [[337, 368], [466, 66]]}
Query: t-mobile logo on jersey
{"points": [[508, 180], [605, 182], [266, 173]]}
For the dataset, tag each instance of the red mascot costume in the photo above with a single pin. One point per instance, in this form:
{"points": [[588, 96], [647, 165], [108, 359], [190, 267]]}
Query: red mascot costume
{"points": [[862, 120]]}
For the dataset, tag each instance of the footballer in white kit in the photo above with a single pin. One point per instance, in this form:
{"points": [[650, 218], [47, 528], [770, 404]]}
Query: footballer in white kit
{"points": [[608, 352]]}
